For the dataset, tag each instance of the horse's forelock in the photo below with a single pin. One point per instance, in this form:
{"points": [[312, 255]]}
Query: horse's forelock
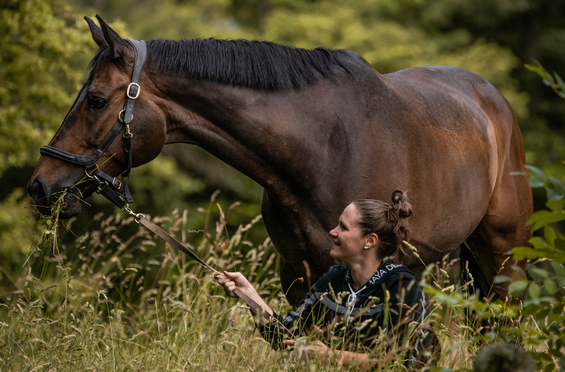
{"points": [[103, 54]]}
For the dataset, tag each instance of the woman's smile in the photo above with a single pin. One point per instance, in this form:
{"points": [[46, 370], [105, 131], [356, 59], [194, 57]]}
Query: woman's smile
{"points": [[347, 236]]}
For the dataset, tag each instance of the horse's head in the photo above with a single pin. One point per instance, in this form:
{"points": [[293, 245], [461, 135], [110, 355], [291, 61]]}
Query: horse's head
{"points": [[93, 115]]}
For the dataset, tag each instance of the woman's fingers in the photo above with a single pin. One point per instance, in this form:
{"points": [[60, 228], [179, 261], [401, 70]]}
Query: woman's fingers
{"points": [[232, 281], [233, 276], [227, 283]]}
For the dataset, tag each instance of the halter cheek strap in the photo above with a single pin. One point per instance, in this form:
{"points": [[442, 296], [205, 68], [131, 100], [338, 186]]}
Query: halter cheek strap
{"points": [[110, 187]]}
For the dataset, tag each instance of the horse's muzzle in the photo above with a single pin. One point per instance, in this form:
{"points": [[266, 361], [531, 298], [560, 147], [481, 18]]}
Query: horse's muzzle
{"points": [[38, 193], [44, 198]]}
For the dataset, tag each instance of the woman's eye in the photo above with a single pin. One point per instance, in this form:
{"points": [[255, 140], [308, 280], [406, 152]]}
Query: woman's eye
{"points": [[97, 103]]}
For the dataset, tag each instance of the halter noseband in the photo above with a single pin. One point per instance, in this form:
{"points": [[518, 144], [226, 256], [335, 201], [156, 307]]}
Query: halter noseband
{"points": [[110, 187]]}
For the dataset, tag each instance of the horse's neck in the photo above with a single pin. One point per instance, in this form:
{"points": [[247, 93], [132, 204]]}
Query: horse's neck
{"points": [[256, 132]]}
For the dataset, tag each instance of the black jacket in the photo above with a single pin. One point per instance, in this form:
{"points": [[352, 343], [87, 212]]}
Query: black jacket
{"points": [[329, 307]]}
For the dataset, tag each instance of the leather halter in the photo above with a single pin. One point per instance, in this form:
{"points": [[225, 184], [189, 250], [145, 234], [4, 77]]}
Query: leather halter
{"points": [[110, 187]]}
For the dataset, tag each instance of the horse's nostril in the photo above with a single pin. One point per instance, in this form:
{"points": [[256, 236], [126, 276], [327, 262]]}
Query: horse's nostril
{"points": [[37, 191]]}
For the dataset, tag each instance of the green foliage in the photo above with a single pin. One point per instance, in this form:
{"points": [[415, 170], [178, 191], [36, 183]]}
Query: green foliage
{"points": [[43, 49], [39, 41], [554, 81], [544, 288], [18, 231]]}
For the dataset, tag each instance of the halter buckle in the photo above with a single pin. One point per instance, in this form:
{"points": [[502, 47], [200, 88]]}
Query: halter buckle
{"points": [[118, 185], [136, 92]]}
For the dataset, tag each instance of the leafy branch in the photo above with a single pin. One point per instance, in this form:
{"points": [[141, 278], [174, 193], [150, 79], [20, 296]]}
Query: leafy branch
{"points": [[553, 81]]}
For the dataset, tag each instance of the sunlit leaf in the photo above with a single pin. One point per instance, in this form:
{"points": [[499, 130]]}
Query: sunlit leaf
{"points": [[560, 244], [538, 273], [550, 286], [518, 269], [559, 81], [555, 205], [521, 253], [528, 311], [542, 218], [537, 177], [517, 288], [558, 269], [538, 243], [549, 233], [557, 191], [502, 279]]}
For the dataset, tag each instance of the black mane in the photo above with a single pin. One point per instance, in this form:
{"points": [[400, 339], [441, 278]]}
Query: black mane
{"points": [[251, 64]]}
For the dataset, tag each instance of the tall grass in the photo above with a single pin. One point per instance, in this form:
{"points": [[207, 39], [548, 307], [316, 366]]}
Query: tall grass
{"points": [[118, 299], [121, 305]]}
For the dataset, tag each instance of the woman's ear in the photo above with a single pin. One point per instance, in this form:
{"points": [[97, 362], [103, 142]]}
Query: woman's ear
{"points": [[372, 240]]}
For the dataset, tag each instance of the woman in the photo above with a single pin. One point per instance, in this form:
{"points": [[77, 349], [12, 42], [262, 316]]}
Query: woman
{"points": [[349, 301]]}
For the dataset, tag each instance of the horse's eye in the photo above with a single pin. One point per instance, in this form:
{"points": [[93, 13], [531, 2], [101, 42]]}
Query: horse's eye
{"points": [[97, 103]]}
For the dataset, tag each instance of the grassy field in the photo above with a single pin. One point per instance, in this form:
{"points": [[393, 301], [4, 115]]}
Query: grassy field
{"points": [[103, 303]]}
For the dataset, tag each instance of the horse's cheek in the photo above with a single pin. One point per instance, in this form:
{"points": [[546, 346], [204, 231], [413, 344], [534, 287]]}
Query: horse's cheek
{"points": [[150, 140]]}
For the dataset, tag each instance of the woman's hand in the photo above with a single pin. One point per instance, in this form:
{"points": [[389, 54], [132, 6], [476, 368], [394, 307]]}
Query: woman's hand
{"points": [[306, 350], [232, 281]]}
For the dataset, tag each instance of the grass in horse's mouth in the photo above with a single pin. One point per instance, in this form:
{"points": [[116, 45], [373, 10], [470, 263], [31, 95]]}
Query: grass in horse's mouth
{"points": [[51, 221], [48, 242]]}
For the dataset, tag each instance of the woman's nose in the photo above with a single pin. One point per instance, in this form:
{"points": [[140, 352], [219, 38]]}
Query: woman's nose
{"points": [[333, 232]]}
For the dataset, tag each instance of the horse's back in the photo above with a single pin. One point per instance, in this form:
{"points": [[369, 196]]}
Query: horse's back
{"points": [[458, 111], [450, 91]]}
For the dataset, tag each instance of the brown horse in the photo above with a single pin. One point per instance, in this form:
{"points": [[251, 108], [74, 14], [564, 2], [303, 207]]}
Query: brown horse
{"points": [[317, 129]]}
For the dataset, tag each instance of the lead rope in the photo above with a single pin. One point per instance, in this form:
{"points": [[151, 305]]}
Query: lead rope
{"points": [[264, 317], [350, 304]]}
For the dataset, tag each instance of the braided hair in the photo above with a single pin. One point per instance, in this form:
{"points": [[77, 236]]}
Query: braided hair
{"points": [[388, 221]]}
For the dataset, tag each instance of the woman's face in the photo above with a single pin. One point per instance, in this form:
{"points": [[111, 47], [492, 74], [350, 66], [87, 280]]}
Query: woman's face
{"points": [[347, 236]]}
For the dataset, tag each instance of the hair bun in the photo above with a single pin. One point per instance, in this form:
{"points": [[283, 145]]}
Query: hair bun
{"points": [[401, 204], [388, 221]]}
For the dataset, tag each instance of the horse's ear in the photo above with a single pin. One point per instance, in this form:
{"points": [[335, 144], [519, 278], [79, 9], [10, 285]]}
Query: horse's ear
{"points": [[96, 32], [117, 45]]}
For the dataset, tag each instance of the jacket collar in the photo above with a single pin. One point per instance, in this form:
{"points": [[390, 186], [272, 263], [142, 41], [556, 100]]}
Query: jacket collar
{"points": [[385, 268]]}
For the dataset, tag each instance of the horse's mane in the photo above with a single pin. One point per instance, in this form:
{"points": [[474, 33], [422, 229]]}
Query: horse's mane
{"points": [[251, 64]]}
